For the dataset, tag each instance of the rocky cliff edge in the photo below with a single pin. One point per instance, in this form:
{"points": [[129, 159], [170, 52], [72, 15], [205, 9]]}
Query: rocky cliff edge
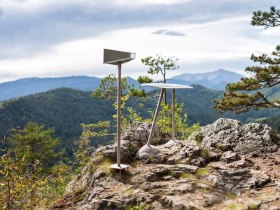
{"points": [[225, 165]]}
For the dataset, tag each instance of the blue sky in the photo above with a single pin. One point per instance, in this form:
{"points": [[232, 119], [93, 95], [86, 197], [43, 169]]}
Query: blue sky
{"points": [[49, 38]]}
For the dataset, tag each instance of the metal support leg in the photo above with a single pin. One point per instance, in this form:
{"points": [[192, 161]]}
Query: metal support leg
{"points": [[119, 166], [173, 114], [155, 116], [119, 117]]}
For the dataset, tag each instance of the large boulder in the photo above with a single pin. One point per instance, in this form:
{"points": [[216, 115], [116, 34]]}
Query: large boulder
{"points": [[230, 135], [132, 139], [179, 151], [138, 134]]}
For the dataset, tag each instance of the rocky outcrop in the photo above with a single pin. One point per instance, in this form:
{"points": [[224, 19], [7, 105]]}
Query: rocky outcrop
{"points": [[133, 138], [230, 135], [138, 134], [225, 165]]}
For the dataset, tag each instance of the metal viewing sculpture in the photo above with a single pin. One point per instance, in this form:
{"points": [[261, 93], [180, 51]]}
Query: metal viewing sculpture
{"points": [[148, 150], [115, 57]]}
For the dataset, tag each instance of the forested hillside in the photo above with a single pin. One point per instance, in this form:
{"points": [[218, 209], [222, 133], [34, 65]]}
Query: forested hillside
{"points": [[274, 122], [65, 109]]}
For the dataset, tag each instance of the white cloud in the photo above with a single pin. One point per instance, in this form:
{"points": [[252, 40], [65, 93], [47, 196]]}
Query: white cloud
{"points": [[147, 2], [66, 37], [13, 6], [205, 44], [272, 32], [169, 32]]}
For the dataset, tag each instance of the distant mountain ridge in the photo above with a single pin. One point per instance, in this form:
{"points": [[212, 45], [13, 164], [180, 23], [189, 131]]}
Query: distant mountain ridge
{"points": [[28, 86], [216, 80]]}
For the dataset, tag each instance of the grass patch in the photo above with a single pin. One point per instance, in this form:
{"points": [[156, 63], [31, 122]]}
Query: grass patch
{"points": [[206, 190], [138, 207], [188, 176], [236, 206], [128, 192], [201, 172], [96, 161], [204, 153], [92, 168], [105, 166], [232, 206], [253, 207], [230, 195]]}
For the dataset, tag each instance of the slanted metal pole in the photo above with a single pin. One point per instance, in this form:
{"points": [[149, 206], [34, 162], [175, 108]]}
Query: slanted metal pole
{"points": [[155, 116], [119, 115], [173, 114]]}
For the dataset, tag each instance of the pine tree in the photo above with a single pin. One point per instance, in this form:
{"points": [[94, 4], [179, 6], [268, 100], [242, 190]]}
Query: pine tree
{"points": [[249, 93], [160, 64], [35, 143], [27, 168]]}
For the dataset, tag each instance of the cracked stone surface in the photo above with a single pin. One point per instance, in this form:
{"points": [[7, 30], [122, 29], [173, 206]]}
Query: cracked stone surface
{"points": [[225, 165]]}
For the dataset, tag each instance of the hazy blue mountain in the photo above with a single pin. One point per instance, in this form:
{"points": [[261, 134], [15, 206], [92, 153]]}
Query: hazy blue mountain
{"points": [[216, 80], [273, 93], [28, 86]]}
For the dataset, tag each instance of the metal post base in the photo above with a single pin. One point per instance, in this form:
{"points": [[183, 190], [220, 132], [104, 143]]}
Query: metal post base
{"points": [[119, 167]]}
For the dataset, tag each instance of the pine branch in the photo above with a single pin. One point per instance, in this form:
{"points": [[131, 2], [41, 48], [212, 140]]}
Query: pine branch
{"points": [[266, 19], [275, 104]]}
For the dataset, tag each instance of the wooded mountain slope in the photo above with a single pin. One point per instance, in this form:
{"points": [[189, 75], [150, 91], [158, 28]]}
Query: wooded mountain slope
{"points": [[65, 109]]}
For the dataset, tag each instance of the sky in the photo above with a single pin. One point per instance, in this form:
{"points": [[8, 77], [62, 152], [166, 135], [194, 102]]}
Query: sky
{"points": [[51, 38]]}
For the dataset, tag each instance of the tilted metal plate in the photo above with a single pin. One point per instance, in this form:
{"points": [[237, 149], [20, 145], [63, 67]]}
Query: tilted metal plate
{"points": [[115, 57], [167, 86]]}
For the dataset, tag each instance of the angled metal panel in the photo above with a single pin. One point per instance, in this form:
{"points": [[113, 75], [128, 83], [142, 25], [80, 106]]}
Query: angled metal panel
{"points": [[167, 86], [115, 57]]}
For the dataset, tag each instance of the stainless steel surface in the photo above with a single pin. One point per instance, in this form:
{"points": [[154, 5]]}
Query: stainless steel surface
{"points": [[155, 116], [167, 86], [120, 167], [115, 57], [119, 115], [163, 87]]}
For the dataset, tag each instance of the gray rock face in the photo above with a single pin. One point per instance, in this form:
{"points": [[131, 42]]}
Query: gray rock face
{"points": [[128, 151], [230, 156], [230, 135], [138, 133], [134, 137], [183, 152], [217, 171]]}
